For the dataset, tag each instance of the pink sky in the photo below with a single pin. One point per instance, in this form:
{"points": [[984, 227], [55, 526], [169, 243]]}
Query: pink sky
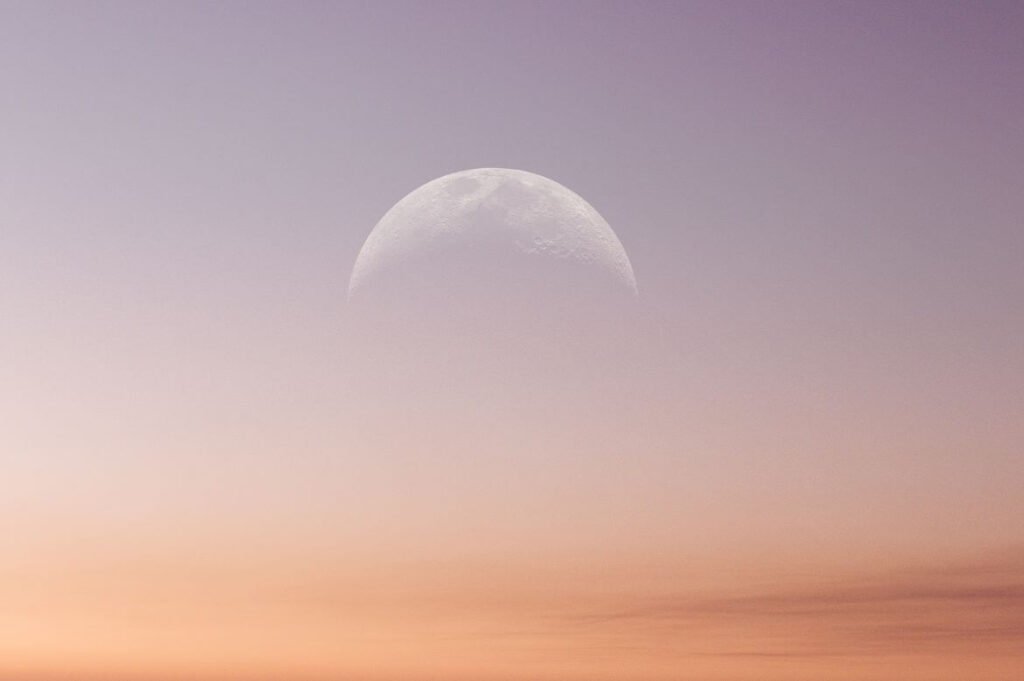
{"points": [[803, 462]]}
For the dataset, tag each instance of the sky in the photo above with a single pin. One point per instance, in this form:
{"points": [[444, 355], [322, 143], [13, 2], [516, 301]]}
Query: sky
{"points": [[804, 460]]}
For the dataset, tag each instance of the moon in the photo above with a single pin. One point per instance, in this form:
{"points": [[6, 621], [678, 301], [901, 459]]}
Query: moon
{"points": [[464, 232]]}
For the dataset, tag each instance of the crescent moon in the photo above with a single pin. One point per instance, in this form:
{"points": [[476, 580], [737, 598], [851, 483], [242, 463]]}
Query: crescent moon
{"points": [[520, 215]]}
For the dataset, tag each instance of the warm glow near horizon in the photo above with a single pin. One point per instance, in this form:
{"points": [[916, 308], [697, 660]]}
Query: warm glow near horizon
{"points": [[712, 373]]}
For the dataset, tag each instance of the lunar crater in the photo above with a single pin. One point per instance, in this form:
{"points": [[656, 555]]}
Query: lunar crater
{"points": [[500, 224]]}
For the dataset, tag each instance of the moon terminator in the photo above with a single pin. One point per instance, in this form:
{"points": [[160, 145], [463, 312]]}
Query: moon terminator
{"points": [[496, 216]]}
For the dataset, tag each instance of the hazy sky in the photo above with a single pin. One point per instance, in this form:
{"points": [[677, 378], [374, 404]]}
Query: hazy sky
{"points": [[815, 471]]}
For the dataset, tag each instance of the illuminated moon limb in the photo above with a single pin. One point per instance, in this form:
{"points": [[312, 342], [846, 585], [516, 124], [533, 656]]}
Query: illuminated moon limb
{"points": [[522, 213]]}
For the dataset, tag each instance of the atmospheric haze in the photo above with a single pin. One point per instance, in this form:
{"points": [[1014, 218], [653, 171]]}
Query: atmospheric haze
{"points": [[725, 384], [489, 279]]}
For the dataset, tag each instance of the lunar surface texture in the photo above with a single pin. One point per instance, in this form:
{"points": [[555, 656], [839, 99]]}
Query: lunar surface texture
{"points": [[490, 233]]}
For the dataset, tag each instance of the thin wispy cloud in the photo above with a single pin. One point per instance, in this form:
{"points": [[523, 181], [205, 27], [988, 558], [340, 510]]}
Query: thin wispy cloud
{"points": [[976, 605]]}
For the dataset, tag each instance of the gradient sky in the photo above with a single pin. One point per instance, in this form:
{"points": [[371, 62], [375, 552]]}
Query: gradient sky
{"points": [[816, 471]]}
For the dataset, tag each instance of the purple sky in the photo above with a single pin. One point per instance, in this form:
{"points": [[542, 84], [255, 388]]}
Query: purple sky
{"points": [[823, 203]]}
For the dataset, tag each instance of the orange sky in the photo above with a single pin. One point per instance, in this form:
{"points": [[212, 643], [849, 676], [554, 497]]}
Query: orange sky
{"points": [[235, 611], [796, 456]]}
